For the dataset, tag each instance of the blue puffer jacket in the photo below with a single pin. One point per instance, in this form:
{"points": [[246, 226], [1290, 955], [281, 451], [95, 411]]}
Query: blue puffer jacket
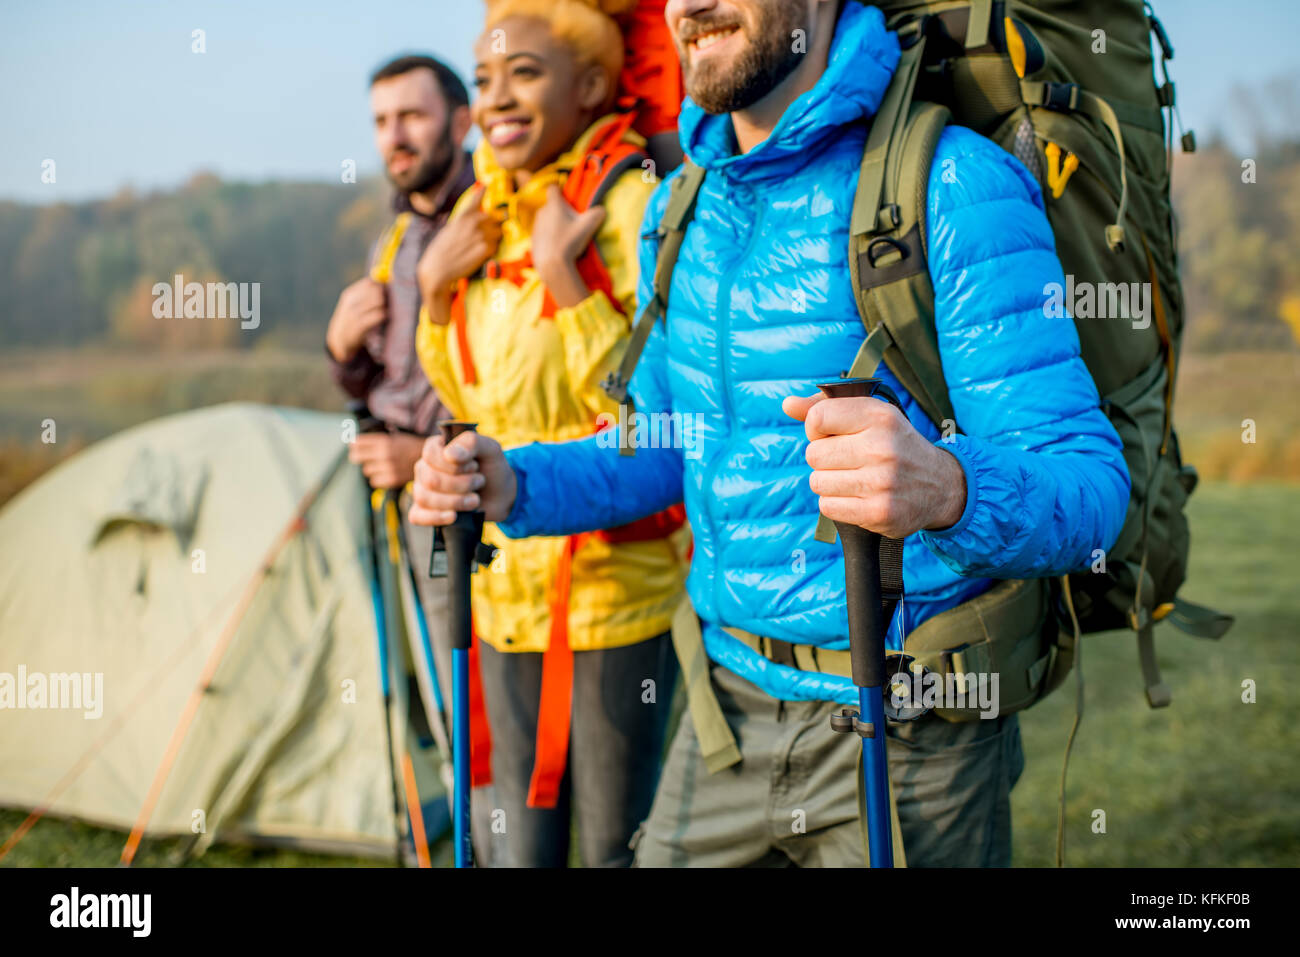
{"points": [[762, 308]]}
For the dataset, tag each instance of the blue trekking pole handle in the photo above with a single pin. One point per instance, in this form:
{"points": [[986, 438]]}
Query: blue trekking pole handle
{"points": [[867, 626], [461, 539]]}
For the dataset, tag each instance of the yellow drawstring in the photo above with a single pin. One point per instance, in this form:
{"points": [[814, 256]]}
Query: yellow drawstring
{"points": [[1059, 175]]}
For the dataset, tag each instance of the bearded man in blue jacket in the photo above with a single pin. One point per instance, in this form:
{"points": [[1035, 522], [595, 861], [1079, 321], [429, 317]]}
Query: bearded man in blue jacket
{"points": [[762, 310]]}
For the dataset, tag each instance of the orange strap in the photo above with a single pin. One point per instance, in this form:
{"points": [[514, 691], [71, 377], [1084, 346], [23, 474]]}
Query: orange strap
{"points": [[469, 373], [555, 709], [556, 706], [480, 735]]}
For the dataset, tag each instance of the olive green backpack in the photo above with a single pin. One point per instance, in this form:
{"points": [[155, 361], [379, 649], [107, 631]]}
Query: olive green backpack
{"points": [[1069, 89]]}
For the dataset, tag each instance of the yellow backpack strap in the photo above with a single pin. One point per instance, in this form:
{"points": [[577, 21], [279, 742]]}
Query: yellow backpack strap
{"points": [[382, 269], [717, 744]]}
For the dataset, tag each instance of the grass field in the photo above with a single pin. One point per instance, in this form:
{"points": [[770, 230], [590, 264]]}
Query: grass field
{"points": [[1208, 781]]}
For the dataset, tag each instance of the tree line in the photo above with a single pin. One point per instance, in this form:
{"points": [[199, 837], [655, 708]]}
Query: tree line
{"points": [[84, 273]]}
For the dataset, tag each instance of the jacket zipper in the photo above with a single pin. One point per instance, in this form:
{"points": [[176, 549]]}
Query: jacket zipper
{"points": [[724, 343]]}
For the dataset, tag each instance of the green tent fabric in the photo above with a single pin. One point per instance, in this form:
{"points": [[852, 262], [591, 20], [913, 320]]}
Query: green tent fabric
{"points": [[128, 561]]}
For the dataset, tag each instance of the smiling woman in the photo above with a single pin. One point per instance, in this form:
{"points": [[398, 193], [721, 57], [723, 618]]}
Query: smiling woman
{"points": [[530, 290], [535, 96]]}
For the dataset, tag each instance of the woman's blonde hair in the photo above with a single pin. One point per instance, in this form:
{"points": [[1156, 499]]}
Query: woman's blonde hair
{"points": [[586, 26]]}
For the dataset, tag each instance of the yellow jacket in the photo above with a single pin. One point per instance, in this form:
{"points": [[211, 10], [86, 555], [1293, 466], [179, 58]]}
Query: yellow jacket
{"points": [[538, 380]]}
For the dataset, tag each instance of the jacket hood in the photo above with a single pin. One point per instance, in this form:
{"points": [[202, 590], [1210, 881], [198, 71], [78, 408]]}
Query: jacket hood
{"points": [[862, 61]]}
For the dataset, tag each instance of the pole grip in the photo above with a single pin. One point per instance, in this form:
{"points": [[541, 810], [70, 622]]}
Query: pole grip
{"points": [[461, 539], [862, 589], [460, 554], [866, 612]]}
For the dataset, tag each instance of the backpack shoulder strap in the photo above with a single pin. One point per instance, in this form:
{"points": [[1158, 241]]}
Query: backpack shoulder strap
{"points": [[888, 265], [633, 158], [684, 190], [889, 268], [381, 270], [888, 262], [610, 155], [604, 166]]}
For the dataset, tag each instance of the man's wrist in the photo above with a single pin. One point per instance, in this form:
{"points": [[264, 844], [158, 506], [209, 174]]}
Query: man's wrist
{"points": [[514, 496], [512, 491], [953, 481], [340, 351]]}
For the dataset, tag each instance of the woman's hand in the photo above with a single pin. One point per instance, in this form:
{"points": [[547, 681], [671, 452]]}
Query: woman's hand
{"points": [[560, 234], [458, 251]]}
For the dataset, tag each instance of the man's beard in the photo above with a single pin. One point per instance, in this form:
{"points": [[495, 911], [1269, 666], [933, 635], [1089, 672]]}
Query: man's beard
{"points": [[430, 172], [761, 67]]}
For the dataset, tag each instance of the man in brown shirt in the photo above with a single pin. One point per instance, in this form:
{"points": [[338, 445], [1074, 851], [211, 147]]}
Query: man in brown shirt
{"points": [[421, 117]]}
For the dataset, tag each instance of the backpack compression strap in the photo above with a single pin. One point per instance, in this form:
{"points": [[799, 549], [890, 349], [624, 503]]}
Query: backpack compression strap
{"points": [[888, 266], [672, 230]]}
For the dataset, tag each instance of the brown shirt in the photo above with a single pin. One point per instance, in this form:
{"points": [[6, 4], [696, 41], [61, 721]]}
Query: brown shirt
{"points": [[385, 371]]}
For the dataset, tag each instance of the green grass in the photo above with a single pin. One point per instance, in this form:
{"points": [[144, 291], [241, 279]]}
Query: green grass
{"points": [[1208, 781]]}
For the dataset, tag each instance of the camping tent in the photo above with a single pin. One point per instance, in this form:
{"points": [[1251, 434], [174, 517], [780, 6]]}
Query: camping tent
{"points": [[210, 574]]}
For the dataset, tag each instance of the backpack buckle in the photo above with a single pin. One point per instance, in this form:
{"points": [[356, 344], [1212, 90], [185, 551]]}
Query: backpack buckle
{"points": [[888, 217], [1062, 97], [615, 387], [912, 31]]}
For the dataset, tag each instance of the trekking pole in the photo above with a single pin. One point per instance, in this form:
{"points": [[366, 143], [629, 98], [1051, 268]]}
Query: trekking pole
{"points": [[867, 626], [368, 423], [461, 539]]}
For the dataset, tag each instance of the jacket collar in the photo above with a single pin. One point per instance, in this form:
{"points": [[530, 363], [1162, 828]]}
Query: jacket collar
{"points": [[464, 180], [518, 206], [862, 61]]}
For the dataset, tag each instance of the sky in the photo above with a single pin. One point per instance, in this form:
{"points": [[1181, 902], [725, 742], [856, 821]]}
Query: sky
{"points": [[112, 92]]}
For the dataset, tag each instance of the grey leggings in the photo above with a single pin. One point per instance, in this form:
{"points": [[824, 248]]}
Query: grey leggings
{"points": [[615, 745]]}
